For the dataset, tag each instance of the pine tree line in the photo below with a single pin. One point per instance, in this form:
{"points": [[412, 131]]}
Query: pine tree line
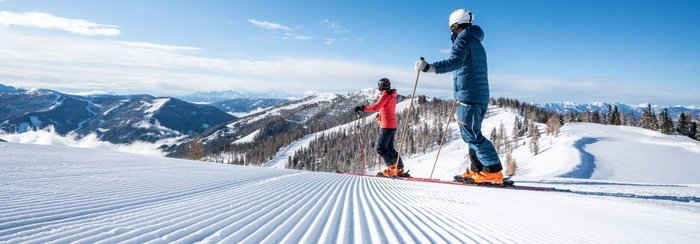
{"points": [[664, 123], [529, 111], [648, 120]]}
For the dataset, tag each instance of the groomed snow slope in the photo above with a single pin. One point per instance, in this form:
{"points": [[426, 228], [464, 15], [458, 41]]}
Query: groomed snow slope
{"points": [[59, 194]]}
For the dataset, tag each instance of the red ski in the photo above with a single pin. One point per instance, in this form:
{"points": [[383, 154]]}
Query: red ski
{"points": [[508, 184]]}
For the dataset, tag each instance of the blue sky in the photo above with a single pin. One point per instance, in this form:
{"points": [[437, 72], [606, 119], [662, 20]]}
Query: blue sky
{"points": [[539, 51]]}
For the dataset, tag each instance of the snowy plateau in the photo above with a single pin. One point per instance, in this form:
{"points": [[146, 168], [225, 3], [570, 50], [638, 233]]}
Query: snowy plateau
{"points": [[615, 184]]}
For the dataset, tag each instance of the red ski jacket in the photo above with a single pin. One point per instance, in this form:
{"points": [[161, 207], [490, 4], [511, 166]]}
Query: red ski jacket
{"points": [[386, 106]]}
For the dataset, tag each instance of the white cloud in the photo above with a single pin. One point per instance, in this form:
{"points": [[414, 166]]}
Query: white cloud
{"points": [[445, 51], [269, 25], [331, 41], [158, 46], [334, 26], [302, 37], [297, 37], [84, 64], [48, 21]]}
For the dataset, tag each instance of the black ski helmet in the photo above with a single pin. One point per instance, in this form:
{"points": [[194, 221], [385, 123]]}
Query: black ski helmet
{"points": [[384, 84]]}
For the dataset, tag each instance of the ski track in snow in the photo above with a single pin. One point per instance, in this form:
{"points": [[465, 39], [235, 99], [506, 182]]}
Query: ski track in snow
{"points": [[92, 196]]}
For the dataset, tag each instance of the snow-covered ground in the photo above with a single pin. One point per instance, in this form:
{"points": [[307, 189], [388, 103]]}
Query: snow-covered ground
{"points": [[580, 151], [61, 194]]}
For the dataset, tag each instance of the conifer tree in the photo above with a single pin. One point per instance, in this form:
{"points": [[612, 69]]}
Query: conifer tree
{"points": [[683, 127], [610, 116], [534, 138], [649, 120], [502, 137], [516, 127], [595, 117], [494, 138], [616, 116], [697, 130], [666, 124]]}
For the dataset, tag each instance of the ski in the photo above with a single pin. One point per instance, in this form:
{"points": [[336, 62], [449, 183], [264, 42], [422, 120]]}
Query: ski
{"points": [[401, 175], [508, 184]]}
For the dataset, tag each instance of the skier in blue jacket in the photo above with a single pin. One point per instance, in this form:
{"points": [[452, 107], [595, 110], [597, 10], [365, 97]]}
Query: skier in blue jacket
{"points": [[471, 89]]}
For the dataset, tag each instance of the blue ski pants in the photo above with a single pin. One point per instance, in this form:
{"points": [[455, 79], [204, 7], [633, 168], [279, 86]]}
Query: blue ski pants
{"points": [[470, 116]]}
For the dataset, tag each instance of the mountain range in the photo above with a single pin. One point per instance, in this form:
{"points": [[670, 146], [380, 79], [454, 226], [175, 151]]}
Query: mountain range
{"points": [[219, 96], [569, 107], [113, 118], [240, 107], [273, 123]]}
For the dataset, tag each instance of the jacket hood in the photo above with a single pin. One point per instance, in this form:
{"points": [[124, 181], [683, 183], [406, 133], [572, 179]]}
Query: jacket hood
{"points": [[476, 32]]}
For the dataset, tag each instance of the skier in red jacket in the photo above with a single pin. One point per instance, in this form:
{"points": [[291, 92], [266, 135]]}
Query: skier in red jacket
{"points": [[386, 106]]}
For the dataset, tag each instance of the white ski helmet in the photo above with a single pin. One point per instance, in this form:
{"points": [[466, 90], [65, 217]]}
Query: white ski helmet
{"points": [[461, 16]]}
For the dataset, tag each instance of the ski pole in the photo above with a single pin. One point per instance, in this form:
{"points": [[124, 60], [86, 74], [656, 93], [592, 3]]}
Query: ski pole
{"points": [[444, 134], [405, 123], [362, 145]]}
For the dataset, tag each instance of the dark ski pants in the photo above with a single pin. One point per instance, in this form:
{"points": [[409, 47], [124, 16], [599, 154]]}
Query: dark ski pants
{"points": [[385, 147], [481, 151]]}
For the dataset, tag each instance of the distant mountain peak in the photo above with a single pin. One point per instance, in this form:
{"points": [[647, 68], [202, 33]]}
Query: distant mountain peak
{"points": [[218, 96], [4, 88]]}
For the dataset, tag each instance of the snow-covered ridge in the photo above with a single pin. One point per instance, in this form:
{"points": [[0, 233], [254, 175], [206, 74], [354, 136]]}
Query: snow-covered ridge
{"points": [[277, 110], [155, 105], [248, 138]]}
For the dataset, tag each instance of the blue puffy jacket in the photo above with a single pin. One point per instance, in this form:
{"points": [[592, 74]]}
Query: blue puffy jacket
{"points": [[468, 61]]}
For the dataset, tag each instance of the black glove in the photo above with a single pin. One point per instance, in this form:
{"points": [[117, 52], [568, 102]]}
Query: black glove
{"points": [[360, 109]]}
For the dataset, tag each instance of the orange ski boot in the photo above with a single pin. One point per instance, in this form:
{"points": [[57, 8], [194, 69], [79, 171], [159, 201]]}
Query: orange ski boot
{"points": [[388, 172], [484, 177], [465, 176], [392, 171], [468, 174]]}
